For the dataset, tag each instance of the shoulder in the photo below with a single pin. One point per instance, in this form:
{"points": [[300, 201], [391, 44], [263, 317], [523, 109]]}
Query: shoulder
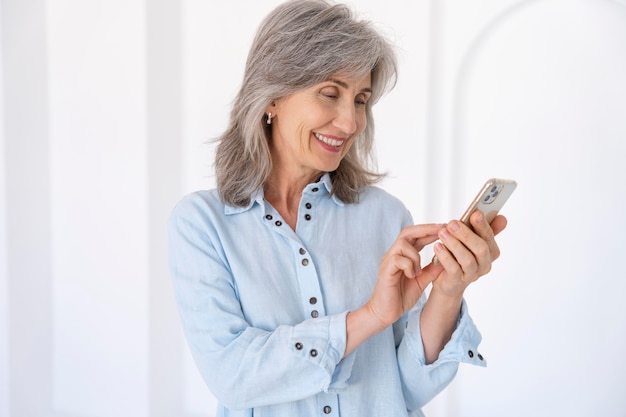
{"points": [[372, 196], [198, 205], [381, 207]]}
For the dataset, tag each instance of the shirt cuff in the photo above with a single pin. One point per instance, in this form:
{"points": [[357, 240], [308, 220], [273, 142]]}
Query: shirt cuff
{"points": [[462, 346], [323, 342]]}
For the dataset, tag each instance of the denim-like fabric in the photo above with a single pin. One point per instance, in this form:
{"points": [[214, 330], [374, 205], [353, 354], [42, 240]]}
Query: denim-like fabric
{"points": [[264, 308]]}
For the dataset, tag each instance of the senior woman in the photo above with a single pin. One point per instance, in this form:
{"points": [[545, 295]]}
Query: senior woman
{"points": [[299, 282]]}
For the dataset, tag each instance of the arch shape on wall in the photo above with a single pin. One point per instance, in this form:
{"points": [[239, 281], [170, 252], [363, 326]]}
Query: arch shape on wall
{"points": [[542, 87], [469, 62]]}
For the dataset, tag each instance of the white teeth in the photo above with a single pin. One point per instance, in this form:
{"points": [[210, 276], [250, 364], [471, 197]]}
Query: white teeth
{"points": [[328, 141]]}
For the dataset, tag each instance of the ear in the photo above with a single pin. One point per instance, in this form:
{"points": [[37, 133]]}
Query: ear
{"points": [[271, 108]]}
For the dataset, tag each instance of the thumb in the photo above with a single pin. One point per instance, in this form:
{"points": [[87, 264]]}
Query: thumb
{"points": [[429, 274]]}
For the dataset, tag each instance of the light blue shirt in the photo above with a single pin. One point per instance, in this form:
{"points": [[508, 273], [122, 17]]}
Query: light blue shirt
{"points": [[264, 308]]}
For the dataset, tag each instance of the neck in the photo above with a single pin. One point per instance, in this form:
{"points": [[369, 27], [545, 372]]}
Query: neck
{"points": [[284, 192]]}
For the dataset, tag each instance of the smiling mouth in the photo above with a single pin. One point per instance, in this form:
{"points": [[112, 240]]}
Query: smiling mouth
{"points": [[328, 141]]}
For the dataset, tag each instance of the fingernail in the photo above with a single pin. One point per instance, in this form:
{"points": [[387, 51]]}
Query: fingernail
{"points": [[454, 226]]}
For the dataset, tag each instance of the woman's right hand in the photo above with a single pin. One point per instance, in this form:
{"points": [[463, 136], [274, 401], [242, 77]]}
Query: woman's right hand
{"points": [[401, 282], [401, 279]]}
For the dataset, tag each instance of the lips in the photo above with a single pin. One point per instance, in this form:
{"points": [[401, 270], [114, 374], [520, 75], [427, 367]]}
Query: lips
{"points": [[336, 143]]}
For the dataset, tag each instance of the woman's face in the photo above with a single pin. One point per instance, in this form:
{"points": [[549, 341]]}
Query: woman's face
{"points": [[313, 129]]}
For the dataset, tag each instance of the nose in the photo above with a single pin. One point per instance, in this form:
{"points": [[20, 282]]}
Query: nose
{"points": [[346, 118]]}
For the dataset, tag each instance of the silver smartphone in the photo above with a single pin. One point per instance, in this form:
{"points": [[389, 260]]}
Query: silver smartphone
{"points": [[490, 200]]}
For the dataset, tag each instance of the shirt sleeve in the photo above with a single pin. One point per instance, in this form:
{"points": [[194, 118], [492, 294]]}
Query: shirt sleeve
{"points": [[243, 366], [422, 382]]}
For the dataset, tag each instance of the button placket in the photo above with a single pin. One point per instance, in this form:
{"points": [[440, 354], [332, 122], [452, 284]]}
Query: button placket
{"points": [[307, 215], [305, 260], [306, 273], [308, 282]]}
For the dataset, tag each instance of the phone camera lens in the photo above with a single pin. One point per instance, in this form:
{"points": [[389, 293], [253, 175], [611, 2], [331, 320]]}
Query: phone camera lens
{"points": [[491, 196]]}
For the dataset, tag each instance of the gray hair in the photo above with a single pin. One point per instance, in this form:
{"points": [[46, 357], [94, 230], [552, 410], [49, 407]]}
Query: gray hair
{"points": [[301, 43]]}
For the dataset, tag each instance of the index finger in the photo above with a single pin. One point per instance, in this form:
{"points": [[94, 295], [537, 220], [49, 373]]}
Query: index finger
{"points": [[420, 235]]}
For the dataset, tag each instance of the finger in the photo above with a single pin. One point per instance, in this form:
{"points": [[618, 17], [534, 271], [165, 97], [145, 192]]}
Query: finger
{"points": [[432, 270], [421, 235], [402, 256], [458, 238], [446, 260], [397, 266], [479, 223], [451, 280], [487, 233], [498, 224], [429, 273], [465, 247]]}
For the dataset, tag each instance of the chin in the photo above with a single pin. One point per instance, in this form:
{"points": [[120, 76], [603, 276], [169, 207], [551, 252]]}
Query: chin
{"points": [[329, 167]]}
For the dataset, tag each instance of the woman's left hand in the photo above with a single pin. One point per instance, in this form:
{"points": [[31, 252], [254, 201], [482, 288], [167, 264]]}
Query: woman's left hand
{"points": [[466, 255]]}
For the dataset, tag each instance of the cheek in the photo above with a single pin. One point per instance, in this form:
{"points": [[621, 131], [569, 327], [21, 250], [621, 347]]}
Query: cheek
{"points": [[362, 123]]}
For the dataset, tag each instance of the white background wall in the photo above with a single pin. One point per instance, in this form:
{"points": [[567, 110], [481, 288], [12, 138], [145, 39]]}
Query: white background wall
{"points": [[105, 110]]}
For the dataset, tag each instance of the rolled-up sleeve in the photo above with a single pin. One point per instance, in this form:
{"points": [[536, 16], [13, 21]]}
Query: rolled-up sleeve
{"points": [[421, 381]]}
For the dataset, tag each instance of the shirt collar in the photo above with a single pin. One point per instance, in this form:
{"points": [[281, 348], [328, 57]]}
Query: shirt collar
{"points": [[328, 185], [259, 197]]}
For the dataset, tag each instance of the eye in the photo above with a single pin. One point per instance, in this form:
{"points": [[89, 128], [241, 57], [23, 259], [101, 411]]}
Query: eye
{"points": [[361, 99], [330, 92]]}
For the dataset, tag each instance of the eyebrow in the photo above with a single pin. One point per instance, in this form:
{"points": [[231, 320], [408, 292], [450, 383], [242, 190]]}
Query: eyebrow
{"points": [[345, 85]]}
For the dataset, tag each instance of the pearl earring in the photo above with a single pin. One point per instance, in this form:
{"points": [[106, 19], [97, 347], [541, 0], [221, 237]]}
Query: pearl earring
{"points": [[269, 118]]}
